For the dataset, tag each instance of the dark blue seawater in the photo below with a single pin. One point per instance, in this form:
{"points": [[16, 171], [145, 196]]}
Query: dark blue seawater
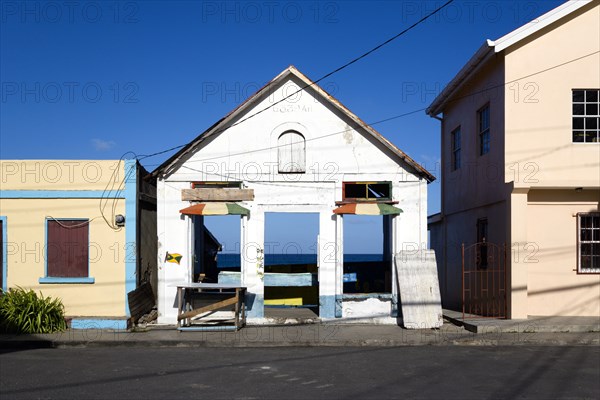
{"points": [[229, 260]]}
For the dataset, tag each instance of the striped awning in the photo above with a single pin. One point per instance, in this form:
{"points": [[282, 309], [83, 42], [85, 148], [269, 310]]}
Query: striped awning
{"points": [[215, 209], [367, 209]]}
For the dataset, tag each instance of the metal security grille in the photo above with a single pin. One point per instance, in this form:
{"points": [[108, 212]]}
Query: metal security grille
{"points": [[484, 280]]}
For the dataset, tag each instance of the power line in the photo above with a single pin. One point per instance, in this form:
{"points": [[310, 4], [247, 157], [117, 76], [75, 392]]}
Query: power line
{"points": [[423, 19], [493, 87]]}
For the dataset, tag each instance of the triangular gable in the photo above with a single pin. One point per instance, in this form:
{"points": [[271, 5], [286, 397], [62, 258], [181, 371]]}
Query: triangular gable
{"points": [[226, 122]]}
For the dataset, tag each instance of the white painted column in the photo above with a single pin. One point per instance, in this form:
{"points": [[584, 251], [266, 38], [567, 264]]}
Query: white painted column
{"points": [[178, 240], [253, 264], [329, 243]]}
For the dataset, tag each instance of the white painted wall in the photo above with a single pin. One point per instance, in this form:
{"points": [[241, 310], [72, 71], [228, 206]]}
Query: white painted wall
{"points": [[335, 152]]}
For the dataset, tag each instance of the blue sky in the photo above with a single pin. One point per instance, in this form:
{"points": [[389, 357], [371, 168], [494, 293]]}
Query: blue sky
{"points": [[94, 79]]}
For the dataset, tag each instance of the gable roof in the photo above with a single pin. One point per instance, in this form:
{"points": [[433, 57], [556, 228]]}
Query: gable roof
{"points": [[223, 124], [491, 47]]}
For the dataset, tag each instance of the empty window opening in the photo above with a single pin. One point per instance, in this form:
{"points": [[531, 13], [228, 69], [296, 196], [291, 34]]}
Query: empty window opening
{"points": [[217, 254], [366, 268], [371, 191], [290, 263], [216, 185]]}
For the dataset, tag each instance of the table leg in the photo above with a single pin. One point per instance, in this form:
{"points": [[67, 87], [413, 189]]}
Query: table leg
{"points": [[179, 304], [237, 309]]}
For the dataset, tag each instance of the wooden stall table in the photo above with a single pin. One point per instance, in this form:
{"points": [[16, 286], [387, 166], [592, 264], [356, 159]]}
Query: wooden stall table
{"points": [[217, 296]]}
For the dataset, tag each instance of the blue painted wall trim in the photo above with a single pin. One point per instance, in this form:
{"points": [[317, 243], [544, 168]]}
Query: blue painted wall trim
{"points": [[59, 194], [255, 305], [130, 228], [99, 323], [58, 280], [327, 307], [338, 306], [273, 279], [4, 265]]}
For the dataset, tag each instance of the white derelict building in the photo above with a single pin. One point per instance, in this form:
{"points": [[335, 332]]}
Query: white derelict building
{"points": [[306, 153]]}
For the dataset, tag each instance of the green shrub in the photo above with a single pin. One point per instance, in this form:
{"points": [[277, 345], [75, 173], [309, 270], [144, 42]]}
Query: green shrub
{"points": [[23, 311]]}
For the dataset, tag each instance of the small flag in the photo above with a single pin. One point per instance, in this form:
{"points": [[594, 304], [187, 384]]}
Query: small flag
{"points": [[173, 258]]}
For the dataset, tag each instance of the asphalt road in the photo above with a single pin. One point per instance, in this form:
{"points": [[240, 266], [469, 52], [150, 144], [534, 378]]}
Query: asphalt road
{"points": [[436, 372]]}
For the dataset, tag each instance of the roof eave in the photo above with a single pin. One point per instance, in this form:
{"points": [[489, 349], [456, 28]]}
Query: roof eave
{"points": [[474, 64], [537, 24]]}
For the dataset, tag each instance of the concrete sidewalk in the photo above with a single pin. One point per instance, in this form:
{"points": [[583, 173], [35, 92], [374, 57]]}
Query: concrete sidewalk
{"points": [[533, 324], [321, 334]]}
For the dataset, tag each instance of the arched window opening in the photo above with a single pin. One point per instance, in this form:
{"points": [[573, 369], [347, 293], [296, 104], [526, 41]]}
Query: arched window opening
{"points": [[291, 152]]}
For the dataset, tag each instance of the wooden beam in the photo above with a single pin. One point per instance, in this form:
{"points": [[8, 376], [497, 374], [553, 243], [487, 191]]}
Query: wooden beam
{"points": [[217, 194], [213, 307]]}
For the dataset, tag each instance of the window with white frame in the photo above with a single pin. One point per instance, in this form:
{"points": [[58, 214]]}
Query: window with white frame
{"points": [[291, 152], [586, 115], [483, 117], [588, 243], [455, 137]]}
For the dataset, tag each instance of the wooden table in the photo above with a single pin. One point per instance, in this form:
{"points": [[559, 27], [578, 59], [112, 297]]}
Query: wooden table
{"points": [[226, 296]]}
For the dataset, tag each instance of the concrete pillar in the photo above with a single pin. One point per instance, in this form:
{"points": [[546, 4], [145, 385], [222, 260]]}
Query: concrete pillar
{"points": [[253, 262], [178, 240], [329, 275], [515, 263]]}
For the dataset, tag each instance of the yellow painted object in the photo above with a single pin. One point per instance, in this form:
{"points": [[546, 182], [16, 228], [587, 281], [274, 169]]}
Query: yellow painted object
{"points": [[291, 296], [293, 301]]}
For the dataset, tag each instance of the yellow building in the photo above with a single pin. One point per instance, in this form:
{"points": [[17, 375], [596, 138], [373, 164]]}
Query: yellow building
{"points": [[72, 229], [521, 166]]}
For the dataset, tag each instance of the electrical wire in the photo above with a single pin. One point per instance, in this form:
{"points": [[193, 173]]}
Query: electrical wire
{"points": [[475, 93], [423, 19]]}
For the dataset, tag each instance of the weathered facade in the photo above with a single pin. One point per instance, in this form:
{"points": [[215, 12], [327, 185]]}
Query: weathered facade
{"points": [[521, 164], [290, 148], [80, 230]]}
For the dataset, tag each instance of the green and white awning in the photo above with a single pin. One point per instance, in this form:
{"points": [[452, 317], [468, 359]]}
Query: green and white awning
{"points": [[215, 209], [367, 209]]}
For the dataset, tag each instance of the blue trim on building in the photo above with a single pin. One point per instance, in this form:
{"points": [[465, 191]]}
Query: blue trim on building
{"points": [[255, 305], [130, 229], [59, 194], [58, 280], [4, 265], [273, 279], [339, 308], [327, 306], [99, 323]]}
